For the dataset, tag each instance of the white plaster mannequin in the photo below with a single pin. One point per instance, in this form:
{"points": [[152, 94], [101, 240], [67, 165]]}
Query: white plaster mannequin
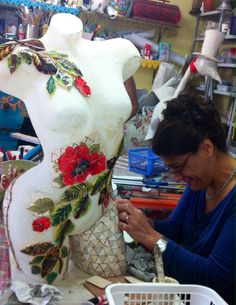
{"points": [[66, 118]]}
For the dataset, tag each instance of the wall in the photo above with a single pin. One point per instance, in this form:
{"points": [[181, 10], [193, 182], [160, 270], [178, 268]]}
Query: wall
{"points": [[181, 43]]}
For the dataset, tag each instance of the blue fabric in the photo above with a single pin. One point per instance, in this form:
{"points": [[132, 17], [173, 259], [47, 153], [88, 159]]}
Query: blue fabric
{"points": [[201, 247]]}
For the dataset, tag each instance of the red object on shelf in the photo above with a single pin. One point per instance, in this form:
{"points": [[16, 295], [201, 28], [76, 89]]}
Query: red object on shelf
{"points": [[167, 201], [208, 5], [152, 10]]}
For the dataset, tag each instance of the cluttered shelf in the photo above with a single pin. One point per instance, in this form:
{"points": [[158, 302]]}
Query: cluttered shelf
{"points": [[124, 22]]}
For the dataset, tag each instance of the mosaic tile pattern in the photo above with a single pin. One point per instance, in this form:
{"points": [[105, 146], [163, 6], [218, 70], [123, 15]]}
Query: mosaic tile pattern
{"points": [[101, 249], [5, 280]]}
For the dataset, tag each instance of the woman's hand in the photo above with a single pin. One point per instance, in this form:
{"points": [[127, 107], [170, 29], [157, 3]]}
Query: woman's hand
{"points": [[136, 224]]}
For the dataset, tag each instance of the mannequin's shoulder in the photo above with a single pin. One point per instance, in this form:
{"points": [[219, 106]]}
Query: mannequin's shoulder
{"points": [[124, 45], [114, 46], [119, 49]]}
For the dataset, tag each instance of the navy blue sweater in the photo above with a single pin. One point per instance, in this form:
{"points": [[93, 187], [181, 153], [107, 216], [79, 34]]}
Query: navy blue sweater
{"points": [[201, 247]]}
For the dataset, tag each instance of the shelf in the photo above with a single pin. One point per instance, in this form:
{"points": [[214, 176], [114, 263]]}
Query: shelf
{"points": [[228, 38], [226, 65], [210, 14], [149, 63], [122, 22], [224, 93]]}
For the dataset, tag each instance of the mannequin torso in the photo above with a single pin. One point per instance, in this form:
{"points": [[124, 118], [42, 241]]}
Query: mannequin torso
{"points": [[91, 127]]}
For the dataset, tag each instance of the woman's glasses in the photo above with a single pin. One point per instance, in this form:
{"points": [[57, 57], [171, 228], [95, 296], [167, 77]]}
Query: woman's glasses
{"points": [[179, 168]]}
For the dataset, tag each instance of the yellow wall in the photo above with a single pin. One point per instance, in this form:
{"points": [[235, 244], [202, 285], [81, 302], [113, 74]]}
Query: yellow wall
{"points": [[181, 43]]}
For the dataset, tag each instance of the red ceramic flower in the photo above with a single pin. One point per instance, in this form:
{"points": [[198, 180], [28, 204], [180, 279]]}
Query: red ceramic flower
{"points": [[76, 163], [40, 224]]}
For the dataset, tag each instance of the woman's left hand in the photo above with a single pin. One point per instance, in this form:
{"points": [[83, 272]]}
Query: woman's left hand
{"points": [[136, 224]]}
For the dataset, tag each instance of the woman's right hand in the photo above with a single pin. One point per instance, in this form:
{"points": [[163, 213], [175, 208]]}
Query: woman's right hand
{"points": [[136, 224]]}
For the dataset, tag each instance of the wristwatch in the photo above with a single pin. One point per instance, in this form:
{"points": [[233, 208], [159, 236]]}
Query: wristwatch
{"points": [[162, 244]]}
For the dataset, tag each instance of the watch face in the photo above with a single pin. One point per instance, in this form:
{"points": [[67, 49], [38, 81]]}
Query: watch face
{"points": [[162, 245]]}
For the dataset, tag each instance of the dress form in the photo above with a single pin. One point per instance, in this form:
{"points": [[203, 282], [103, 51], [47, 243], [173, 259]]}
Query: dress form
{"points": [[66, 119]]}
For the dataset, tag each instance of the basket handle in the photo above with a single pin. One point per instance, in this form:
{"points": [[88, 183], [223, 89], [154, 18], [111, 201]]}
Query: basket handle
{"points": [[159, 264]]}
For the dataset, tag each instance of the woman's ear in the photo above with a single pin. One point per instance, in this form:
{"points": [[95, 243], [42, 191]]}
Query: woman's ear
{"points": [[207, 146]]}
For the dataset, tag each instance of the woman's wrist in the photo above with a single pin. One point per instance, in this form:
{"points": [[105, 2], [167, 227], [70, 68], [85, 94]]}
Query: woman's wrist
{"points": [[151, 241]]}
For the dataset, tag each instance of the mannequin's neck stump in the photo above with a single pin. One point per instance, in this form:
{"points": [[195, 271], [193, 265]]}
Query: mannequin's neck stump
{"points": [[56, 40]]}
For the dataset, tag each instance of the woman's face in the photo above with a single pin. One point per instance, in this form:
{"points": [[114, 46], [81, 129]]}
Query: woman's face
{"points": [[192, 168]]}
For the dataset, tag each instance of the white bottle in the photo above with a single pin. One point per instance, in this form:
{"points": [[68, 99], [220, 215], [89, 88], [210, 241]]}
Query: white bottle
{"points": [[13, 29], [21, 32], [202, 9]]}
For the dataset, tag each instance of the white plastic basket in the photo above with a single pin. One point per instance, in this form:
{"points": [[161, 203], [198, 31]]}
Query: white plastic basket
{"points": [[161, 294]]}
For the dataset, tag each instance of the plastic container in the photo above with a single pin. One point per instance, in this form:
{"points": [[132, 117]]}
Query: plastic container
{"points": [[161, 294], [145, 162]]}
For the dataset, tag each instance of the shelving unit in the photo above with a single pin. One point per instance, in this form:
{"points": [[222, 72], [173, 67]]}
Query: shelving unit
{"points": [[217, 16], [126, 23]]}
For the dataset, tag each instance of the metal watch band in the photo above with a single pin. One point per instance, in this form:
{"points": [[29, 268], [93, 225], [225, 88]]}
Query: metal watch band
{"points": [[162, 244]]}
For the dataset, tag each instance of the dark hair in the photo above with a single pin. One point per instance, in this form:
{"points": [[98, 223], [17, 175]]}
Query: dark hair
{"points": [[188, 120]]}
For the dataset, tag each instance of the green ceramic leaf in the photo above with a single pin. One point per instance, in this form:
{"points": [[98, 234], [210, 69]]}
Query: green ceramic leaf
{"points": [[101, 182], [13, 61], [37, 249], [35, 269], [94, 148], [61, 214], [42, 206], [76, 191], [55, 166], [50, 261], [64, 80], [103, 196], [81, 206], [59, 181], [37, 260], [69, 67], [62, 230], [56, 54], [26, 55], [34, 44], [51, 85], [64, 252], [50, 278], [44, 63], [111, 163], [59, 265], [6, 49]]}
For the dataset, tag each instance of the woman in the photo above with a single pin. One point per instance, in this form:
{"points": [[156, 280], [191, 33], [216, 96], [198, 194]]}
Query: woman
{"points": [[197, 241]]}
